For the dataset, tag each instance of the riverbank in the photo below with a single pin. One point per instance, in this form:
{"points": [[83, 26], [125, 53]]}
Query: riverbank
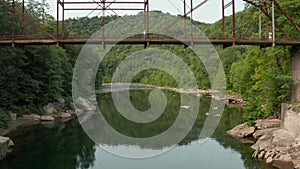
{"points": [[276, 141], [231, 99], [33, 119], [52, 108]]}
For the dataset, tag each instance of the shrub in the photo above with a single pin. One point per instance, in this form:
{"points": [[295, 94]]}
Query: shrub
{"points": [[4, 119]]}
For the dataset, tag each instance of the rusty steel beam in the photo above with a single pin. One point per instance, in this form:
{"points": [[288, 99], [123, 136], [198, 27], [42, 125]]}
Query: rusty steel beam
{"points": [[286, 15], [192, 31], [111, 9], [153, 41], [233, 23], [112, 2], [268, 16], [145, 21], [248, 25], [13, 24], [184, 18], [223, 20], [57, 21], [63, 20], [26, 19], [228, 5], [196, 7], [103, 23], [148, 23], [23, 11], [189, 12]]}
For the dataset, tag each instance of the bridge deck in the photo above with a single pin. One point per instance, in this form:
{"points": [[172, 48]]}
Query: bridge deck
{"points": [[153, 41]]}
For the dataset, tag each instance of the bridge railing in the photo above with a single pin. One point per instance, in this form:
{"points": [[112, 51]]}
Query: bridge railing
{"points": [[141, 37]]}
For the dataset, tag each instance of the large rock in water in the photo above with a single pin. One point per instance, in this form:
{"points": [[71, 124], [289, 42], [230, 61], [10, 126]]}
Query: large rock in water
{"points": [[83, 104], [6, 147], [242, 130]]}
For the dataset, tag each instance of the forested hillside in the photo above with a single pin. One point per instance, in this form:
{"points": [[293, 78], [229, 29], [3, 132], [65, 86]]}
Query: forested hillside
{"points": [[32, 76]]}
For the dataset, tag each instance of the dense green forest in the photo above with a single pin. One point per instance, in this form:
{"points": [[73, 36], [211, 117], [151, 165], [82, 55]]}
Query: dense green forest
{"points": [[32, 76]]}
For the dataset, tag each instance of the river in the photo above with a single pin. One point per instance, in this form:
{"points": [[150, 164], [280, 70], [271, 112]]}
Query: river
{"points": [[67, 146]]}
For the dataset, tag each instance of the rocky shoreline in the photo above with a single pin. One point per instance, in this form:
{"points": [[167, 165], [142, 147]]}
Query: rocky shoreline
{"points": [[84, 110], [231, 99], [276, 141], [53, 112]]}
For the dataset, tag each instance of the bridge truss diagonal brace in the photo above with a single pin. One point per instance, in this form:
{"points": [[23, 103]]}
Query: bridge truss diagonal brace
{"points": [[184, 16], [24, 19], [286, 15], [103, 5], [268, 16], [232, 4]]}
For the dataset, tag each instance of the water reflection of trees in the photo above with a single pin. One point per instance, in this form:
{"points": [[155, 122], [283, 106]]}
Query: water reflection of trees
{"points": [[230, 118], [56, 148], [61, 147]]}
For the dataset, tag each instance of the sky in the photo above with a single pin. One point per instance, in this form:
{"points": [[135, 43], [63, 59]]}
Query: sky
{"points": [[209, 12]]}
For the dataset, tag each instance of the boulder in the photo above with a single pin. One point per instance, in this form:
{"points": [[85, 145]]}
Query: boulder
{"points": [[32, 117], [54, 107], [259, 133], [267, 123], [83, 104], [6, 147], [13, 116], [50, 108], [282, 138], [64, 115], [242, 130], [263, 143], [73, 113], [47, 118], [61, 101]]}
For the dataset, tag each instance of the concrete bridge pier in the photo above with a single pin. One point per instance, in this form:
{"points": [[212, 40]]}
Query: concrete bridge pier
{"points": [[295, 68]]}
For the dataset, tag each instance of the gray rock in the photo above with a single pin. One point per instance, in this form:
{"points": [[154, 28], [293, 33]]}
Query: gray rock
{"points": [[268, 154], [32, 117], [71, 112], [47, 118], [261, 155], [54, 107], [267, 123], [83, 104], [50, 109], [61, 101], [64, 115], [262, 144], [255, 154], [13, 116], [242, 130], [282, 138], [6, 147], [262, 132], [269, 160]]}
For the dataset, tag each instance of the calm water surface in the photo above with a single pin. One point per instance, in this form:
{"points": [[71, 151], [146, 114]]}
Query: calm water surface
{"points": [[66, 146]]}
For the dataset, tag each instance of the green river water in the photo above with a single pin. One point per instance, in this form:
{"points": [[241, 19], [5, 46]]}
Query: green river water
{"points": [[67, 146]]}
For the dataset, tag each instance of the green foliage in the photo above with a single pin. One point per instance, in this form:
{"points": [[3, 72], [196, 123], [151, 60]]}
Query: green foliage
{"points": [[32, 77], [4, 119], [263, 78]]}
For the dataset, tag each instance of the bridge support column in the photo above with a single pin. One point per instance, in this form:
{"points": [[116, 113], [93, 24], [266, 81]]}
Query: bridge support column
{"points": [[296, 74]]}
